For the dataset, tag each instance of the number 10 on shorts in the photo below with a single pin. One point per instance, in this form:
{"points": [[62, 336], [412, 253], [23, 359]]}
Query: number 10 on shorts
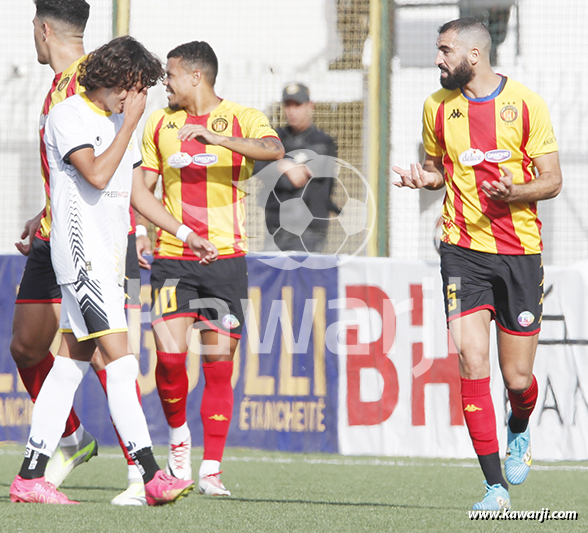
{"points": [[165, 301]]}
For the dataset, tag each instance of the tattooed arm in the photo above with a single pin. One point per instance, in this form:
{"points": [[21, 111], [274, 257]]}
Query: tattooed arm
{"points": [[265, 149]]}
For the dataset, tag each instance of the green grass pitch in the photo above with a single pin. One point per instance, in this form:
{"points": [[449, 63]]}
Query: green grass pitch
{"points": [[284, 492]]}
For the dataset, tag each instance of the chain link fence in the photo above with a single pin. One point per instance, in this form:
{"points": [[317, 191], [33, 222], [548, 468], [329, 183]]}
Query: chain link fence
{"points": [[262, 45]]}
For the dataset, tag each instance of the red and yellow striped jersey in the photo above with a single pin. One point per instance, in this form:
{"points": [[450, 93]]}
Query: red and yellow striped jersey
{"points": [[65, 84], [474, 138], [199, 181]]}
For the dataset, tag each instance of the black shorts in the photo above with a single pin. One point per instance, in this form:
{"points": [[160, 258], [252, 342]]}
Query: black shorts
{"points": [[132, 275], [212, 294], [510, 286], [39, 285]]}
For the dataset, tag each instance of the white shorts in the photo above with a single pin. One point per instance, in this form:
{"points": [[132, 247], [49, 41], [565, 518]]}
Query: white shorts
{"points": [[92, 308]]}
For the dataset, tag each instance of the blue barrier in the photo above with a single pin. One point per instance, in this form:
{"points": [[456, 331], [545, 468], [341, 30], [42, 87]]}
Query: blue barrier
{"points": [[285, 382]]}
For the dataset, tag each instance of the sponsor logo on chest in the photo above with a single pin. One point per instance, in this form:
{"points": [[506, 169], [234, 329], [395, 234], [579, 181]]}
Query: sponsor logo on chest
{"points": [[204, 160], [183, 159], [472, 156]]}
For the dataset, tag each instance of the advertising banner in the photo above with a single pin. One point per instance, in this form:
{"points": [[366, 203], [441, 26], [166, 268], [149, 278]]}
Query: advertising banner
{"points": [[285, 376], [399, 392], [352, 358]]}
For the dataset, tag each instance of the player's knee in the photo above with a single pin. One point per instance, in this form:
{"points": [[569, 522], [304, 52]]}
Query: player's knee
{"points": [[518, 383], [474, 367], [24, 353]]}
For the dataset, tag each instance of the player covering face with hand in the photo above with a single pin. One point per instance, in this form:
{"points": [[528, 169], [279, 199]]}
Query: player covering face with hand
{"points": [[94, 162]]}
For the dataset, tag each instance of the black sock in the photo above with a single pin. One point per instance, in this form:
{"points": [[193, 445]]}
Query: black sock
{"points": [[34, 464], [145, 463], [492, 469], [517, 425]]}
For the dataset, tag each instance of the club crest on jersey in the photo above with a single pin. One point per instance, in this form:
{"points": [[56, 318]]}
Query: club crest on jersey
{"points": [[497, 156], [509, 114], [179, 160], [526, 318], [471, 157], [219, 125], [63, 83], [205, 160]]}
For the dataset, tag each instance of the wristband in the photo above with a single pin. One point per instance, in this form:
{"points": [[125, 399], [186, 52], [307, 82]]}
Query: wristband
{"points": [[183, 232], [140, 230]]}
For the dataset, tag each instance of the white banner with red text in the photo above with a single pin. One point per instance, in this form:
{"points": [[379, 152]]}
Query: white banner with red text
{"points": [[399, 386]]}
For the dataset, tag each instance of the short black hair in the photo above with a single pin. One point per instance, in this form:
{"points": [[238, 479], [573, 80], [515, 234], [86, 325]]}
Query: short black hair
{"points": [[464, 24], [123, 62], [72, 12], [198, 55]]}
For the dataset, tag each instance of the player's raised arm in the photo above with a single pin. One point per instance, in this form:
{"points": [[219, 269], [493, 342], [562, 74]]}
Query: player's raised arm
{"points": [[264, 149], [546, 185], [428, 175], [98, 170]]}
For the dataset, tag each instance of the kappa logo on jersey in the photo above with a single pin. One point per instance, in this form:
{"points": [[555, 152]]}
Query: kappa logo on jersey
{"points": [[98, 140], [471, 157], [63, 83], [471, 408], [171, 126], [456, 113], [179, 160], [205, 160], [497, 156], [509, 114], [219, 125]]}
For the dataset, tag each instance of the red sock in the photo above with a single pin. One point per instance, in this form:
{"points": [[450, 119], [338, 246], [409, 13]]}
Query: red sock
{"points": [[102, 379], [33, 378], [216, 409], [172, 385], [478, 411], [522, 405]]}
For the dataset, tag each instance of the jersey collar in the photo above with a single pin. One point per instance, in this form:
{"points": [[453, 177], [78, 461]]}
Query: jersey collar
{"points": [[94, 107], [496, 92]]}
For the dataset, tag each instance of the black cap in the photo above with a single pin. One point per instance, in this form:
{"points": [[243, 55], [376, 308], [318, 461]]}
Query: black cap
{"points": [[296, 92]]}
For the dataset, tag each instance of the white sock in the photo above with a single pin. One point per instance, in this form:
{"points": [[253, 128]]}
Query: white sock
{"points": [[125, 409], [208, 467], [54, 403], [133, 475], [74, 439], [179, 435]]}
